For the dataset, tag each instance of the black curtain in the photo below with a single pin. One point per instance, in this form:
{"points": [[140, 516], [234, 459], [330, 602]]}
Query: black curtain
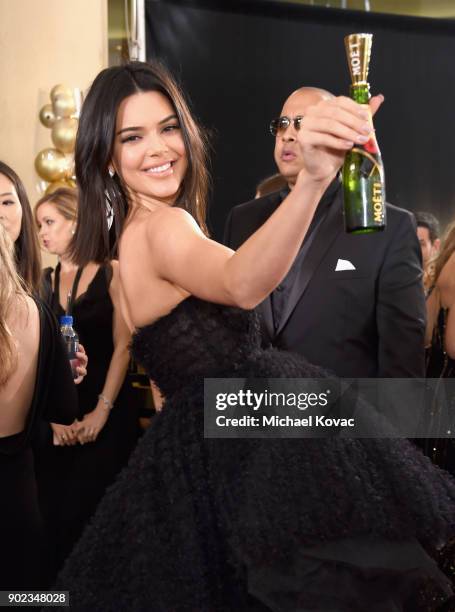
{"points": [[238, 61]]}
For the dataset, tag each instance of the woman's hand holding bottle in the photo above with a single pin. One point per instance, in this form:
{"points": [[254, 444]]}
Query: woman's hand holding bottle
{"points": [[329, 129]]}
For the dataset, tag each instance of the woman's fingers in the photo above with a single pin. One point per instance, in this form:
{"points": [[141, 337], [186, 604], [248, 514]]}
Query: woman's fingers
{"points": [[86, 435], [81, 368], [322, 127], [340, 118], [375, 103]]}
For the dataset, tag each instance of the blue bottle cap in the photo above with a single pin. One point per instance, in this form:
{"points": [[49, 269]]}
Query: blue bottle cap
{"points": [[66, 320]]}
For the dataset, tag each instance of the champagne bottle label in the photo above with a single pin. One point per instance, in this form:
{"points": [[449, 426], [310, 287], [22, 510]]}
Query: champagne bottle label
{"points": [[363, 173], [358, 51]]}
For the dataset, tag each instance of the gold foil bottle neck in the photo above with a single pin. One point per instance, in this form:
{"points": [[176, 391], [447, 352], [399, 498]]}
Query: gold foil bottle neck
{"points": [[358, 51]]}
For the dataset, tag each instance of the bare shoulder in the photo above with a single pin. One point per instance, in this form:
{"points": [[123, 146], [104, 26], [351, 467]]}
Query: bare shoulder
{"points": [[450, 265], [170, 221], [32, 309], [23, 313], [447, 275]]}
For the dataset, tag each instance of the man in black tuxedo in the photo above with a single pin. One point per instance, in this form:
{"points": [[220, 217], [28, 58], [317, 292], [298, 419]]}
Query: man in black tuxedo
{"points": [[351, 303]]}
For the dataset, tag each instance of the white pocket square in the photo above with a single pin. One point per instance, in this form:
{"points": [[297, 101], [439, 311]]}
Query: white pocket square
{"points": [[344, 264]]}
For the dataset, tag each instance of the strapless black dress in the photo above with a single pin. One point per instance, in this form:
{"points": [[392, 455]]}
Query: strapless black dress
{"points": [[196, 524]]}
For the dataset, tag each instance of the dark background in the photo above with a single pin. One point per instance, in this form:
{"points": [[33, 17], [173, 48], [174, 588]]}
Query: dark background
{"points": [[238, 61]]}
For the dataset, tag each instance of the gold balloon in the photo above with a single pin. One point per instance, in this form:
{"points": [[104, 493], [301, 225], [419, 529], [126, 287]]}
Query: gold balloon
{"points": [[46, 116], [64, 106], [64, 134], [61, 91], [67, 184], [71, 170], [51, 165], [63, 102]]}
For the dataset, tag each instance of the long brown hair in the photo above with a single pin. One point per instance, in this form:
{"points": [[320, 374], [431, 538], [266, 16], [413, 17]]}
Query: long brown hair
{"points": [[446, 250], [11, 289], [26, 247], [94, 147]]}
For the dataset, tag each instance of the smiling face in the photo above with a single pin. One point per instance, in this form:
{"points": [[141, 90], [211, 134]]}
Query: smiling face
{"points": [[287, 154], [10, 208], [149, 152], [55, 231]]}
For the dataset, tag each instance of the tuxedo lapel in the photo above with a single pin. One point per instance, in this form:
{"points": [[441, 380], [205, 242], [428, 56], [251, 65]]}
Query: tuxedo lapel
{"points": [[325, 235], [263, 208], [265, 311], [267, 208]]}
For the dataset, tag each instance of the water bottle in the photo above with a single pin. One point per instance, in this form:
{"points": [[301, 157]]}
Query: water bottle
{"points": [[71, 341]]}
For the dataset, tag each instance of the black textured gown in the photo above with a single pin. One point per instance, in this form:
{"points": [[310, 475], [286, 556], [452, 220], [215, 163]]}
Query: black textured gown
{"points": [[73, 479], [25, 558], [196, 524]]}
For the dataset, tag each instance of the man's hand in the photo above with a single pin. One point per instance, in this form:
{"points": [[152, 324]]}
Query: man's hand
{"points": [[329, 129]]}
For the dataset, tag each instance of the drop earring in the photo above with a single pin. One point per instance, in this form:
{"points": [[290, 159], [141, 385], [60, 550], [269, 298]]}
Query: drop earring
{"points": [[111, 172]]}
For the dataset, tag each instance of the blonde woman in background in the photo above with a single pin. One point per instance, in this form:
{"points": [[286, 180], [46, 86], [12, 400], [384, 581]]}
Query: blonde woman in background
{"points": [[35, 383], [99, 443], [440, 336]]}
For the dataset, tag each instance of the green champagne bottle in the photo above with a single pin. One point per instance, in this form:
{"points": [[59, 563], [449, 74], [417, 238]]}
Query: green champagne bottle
{"points": [[363, 172]]}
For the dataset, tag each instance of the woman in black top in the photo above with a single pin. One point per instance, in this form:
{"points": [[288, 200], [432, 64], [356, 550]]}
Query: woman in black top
{"points": [[98, 445]]}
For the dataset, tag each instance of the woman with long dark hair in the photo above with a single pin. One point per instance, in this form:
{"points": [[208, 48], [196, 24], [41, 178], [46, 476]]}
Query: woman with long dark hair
{"points": [[206, 524], [17, 214], [17, 218]]}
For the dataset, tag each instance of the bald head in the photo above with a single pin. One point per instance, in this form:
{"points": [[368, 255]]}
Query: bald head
{"points": [[305, 93], [287, 151]]}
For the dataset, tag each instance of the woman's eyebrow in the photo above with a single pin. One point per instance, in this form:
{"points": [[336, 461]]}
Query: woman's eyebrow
{"points": [[136, 128], [128, 129]]}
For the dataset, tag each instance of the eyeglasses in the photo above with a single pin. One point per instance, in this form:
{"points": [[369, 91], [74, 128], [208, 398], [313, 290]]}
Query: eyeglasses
{"points": [[282, 123]]}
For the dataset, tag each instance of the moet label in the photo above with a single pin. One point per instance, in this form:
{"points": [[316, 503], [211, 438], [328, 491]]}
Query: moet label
{"points": [[378, 202], [354, 57], [358, 52]]}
